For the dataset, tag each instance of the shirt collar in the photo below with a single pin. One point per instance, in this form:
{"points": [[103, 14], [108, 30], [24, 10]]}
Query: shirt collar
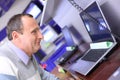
{"points": [[20, 53]]}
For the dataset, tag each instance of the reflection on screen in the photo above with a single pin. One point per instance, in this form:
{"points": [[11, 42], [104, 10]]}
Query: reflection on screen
{"points": [[48, 34], [95, 23]]}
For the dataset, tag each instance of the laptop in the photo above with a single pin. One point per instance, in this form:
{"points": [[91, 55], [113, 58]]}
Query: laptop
{"points": [[102, 39], [115, 75]]}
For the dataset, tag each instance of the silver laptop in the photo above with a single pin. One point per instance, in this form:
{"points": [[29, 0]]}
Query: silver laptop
{"points": [[102, 39], [115, 75]]}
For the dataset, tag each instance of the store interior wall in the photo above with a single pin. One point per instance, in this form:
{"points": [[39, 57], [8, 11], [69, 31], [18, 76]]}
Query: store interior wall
{"points": [[65, 14]]}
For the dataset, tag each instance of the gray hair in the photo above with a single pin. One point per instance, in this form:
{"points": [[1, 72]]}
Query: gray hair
{"points": [[15, 24]]}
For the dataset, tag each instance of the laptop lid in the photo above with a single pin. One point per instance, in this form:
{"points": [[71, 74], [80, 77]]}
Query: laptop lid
{"points": [[96, 24], [98, 31]]}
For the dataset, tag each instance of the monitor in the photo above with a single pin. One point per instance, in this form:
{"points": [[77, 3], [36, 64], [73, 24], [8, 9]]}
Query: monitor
{"points": [[34, 9], [47, 44], [49, 34], [68, 36], [95, 23]]}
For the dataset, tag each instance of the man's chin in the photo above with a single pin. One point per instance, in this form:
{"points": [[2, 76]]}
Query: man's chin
{"points": [[36, 49]]}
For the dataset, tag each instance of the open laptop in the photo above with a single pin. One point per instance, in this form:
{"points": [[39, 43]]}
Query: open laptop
{"points": [[115, 75], [102, 39]]}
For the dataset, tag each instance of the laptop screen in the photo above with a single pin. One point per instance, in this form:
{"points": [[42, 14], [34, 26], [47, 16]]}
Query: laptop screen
{"points": [[95, 23]]}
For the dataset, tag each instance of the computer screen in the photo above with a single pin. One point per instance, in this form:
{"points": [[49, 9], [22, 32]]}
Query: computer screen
{"points": [[95, 23], [49, 34], [33, 9], [68, 36], [47, 44]]}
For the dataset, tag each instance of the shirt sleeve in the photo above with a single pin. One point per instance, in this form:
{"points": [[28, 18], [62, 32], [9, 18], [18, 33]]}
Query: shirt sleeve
{"points": [[47, 75]]}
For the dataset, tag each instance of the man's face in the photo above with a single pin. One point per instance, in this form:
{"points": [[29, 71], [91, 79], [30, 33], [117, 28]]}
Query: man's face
{"points": [[31, 37]]}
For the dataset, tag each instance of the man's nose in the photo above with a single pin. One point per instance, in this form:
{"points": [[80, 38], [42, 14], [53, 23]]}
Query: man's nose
{"points": [[40, 35]]}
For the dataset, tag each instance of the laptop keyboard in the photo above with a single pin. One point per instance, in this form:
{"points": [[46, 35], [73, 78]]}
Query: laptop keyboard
{"points": [[94, 54]]}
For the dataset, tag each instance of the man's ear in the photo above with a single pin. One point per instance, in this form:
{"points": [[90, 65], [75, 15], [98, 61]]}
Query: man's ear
{"points": [[15, 35]]}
